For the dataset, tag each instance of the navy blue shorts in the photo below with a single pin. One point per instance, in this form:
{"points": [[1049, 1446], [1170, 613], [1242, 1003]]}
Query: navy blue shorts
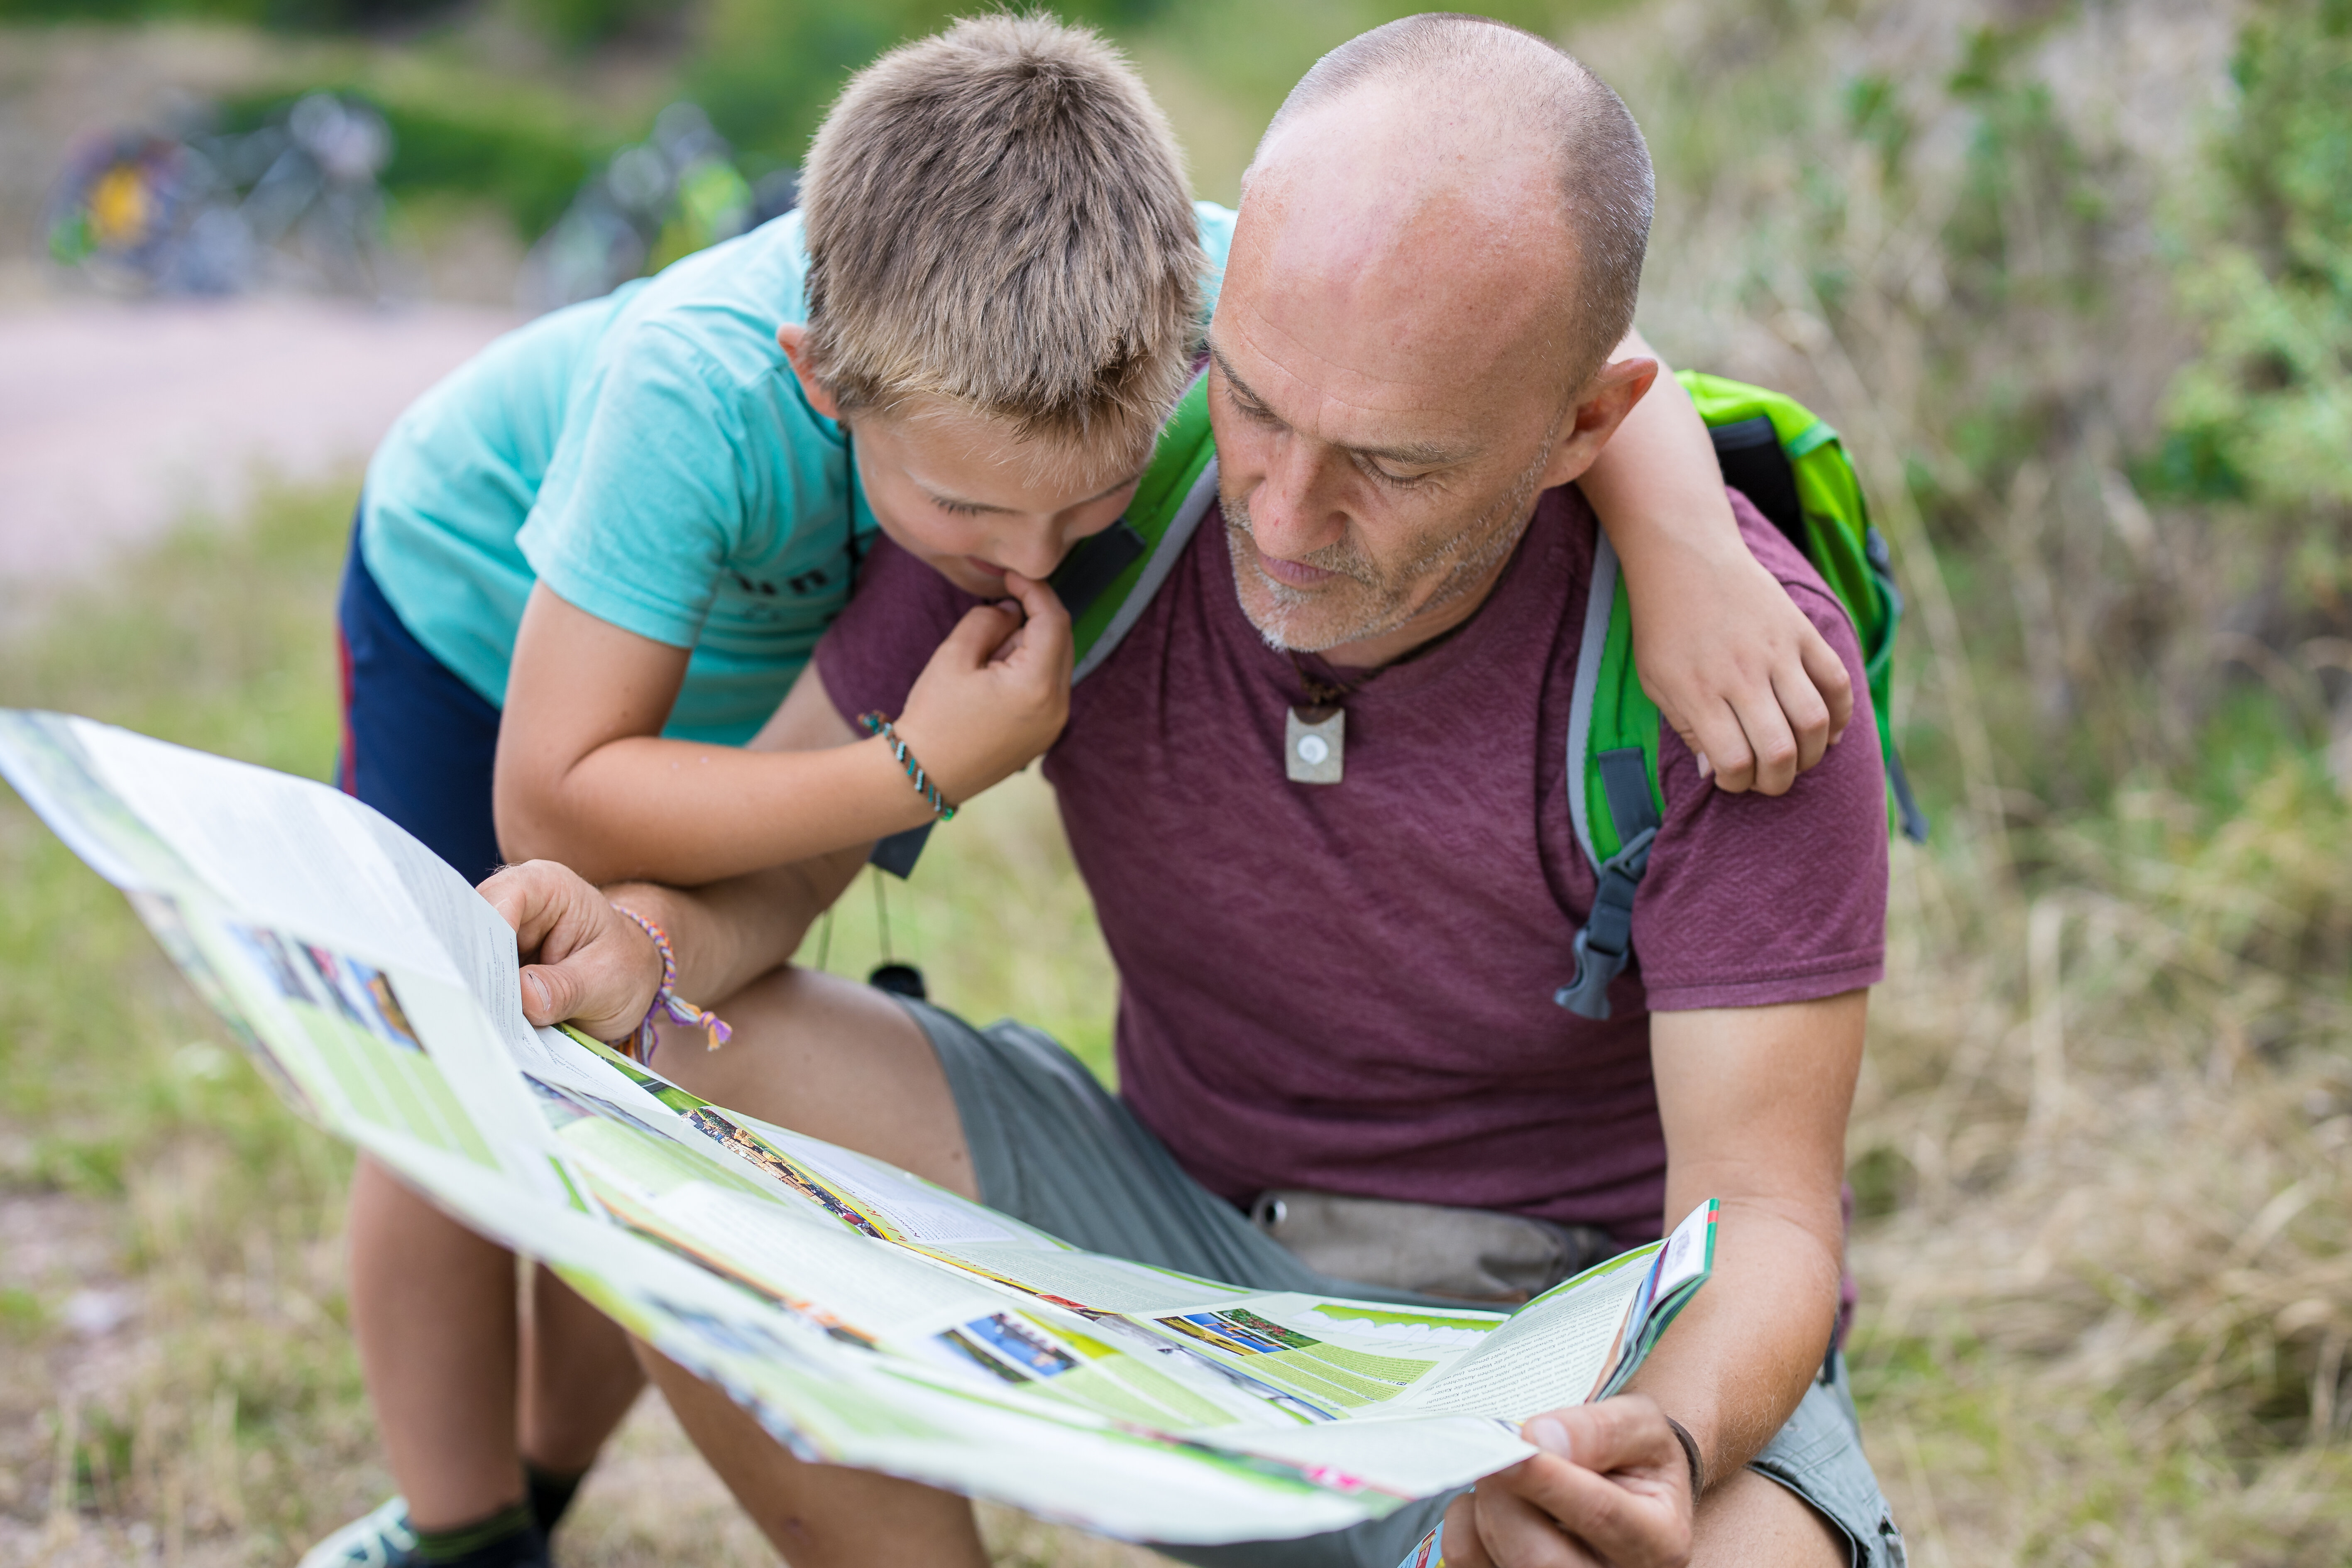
{"points": [[419, 743]]}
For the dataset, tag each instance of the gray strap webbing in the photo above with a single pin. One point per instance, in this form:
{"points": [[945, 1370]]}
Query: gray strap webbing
{"points": [[1605, 944], [1599, 602], [1155, 571]]}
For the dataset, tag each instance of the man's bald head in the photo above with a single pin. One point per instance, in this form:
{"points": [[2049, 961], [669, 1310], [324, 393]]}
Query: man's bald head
{"points": [[1442, 111]]}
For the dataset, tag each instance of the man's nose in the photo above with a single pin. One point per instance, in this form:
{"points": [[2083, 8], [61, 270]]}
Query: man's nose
{"points": [[1290, 514]]}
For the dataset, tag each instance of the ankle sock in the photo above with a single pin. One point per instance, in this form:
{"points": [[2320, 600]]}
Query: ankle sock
{"points": [[551, 1494], [507, 1539]]}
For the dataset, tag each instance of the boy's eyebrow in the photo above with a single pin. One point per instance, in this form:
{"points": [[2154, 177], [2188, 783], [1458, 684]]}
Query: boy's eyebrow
{"points": [[946, 499], [1411, 454]]}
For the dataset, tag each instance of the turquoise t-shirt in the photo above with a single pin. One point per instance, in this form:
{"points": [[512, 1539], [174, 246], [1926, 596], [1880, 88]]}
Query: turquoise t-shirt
{"points": [[650, 456]]}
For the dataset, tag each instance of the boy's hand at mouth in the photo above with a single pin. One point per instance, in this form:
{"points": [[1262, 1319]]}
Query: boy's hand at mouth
{"points": [[995, 694]]}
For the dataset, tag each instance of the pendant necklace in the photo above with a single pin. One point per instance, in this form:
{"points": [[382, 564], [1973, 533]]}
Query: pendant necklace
{"points": [[1315, 735], [1314, 732]]}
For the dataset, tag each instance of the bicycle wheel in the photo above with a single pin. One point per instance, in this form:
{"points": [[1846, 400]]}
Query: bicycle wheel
{"points": [[123, 211]]}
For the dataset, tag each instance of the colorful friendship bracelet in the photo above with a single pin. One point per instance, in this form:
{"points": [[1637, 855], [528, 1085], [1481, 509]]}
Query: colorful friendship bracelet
{"points": [[666, 1001], [876, 724]]}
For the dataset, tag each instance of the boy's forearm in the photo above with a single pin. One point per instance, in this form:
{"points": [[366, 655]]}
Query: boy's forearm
{"points": [[728, 934], [1656, 487], [690, 814]]}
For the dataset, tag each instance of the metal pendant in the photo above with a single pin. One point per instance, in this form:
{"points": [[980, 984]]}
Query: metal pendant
{"points": [[1315, 744]]}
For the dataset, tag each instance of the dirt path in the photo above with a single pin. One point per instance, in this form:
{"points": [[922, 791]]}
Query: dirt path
{"points": [[119, 419]]}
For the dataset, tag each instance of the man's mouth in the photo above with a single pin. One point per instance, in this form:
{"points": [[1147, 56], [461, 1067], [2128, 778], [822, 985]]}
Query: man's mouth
{"points": [[1293, 573]]}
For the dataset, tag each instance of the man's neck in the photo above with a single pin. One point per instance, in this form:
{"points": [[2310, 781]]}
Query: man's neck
{"points": [[1449, 605]]}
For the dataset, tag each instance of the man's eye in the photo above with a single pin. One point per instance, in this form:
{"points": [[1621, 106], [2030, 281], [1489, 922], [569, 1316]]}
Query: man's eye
{"points": [[1394, 481]]}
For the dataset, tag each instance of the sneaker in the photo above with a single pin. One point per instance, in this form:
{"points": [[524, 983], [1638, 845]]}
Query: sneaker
{"points": [[378, 1540]]}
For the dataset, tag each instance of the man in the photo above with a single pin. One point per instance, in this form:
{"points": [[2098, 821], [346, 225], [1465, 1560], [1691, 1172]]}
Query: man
{"points": [[1345, 988]]}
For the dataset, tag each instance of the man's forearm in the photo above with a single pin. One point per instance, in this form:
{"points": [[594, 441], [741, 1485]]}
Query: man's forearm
{"points": [[728, 934], [1754, 1103], [1735, 1364]]}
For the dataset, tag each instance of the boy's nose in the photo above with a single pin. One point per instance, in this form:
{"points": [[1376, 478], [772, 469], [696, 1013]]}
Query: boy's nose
{"points": [[1035, 552]]}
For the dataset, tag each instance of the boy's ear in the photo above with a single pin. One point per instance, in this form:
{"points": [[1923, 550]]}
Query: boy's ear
{"points": [[793, 338]]}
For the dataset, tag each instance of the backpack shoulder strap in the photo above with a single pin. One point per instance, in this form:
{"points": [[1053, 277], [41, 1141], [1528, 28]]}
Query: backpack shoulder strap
{"points": [[1109, 580], [1613, 794]]}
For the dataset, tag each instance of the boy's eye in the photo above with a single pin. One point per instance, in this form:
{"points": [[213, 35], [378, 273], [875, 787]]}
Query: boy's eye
{"points": [[956, 508]]}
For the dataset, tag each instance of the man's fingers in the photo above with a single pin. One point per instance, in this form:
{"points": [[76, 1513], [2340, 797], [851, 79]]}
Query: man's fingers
{"points": [[1626, 1431], [1625, 1519], [1517, 1533], [1827, 671], [1462, 1546]]}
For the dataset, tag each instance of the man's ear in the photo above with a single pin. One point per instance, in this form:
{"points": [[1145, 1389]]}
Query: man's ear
{"points": [[1600, 408], [793, 338]]}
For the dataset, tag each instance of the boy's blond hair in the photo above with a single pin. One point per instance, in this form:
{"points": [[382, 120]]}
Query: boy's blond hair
{"points": [[997, 215]]}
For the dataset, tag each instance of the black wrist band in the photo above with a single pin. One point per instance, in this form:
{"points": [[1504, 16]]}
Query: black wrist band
{"points": [[1690, 1452]]}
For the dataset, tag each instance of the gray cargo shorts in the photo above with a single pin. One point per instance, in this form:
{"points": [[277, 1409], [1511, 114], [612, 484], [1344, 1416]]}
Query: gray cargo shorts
{"points": [[1051, 1146]]}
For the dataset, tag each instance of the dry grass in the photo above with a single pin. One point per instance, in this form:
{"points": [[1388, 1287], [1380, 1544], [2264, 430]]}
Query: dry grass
{"points": [[2103, 1139], [2107, 1293]]}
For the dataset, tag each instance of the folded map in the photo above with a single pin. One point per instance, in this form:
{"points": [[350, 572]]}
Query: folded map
{"points": [[862, 1315]]}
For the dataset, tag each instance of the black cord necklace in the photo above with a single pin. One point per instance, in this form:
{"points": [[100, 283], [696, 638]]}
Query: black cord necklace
{"points": [[1315, 735]]}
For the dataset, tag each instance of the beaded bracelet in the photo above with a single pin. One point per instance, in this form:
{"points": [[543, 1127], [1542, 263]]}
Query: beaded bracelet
{"points": [[666, 1001], [876, 724]]}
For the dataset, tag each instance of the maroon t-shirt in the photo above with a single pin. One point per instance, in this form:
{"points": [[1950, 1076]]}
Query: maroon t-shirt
{"points": [[1349, 987]]}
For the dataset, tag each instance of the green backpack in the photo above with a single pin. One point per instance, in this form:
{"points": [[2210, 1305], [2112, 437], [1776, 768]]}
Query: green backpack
{"points": [[1794, 469], [1785, 460]]}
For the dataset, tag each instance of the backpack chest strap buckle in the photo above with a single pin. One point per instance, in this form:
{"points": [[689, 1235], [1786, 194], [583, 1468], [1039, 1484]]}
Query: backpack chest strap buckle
{"points": [[1606, 944]]}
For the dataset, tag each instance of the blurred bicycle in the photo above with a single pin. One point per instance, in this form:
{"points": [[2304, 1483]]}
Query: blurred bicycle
{"points": [[294, 203], [667, 196]]}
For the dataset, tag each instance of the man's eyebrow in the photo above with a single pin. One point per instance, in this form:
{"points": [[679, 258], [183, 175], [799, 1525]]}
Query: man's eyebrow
{"points": [[1411, 454], [946, 499]]}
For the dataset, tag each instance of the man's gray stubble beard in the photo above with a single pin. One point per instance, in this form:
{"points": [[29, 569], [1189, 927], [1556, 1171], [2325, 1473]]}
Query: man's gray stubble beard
{"points": [[1395, 608]]}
